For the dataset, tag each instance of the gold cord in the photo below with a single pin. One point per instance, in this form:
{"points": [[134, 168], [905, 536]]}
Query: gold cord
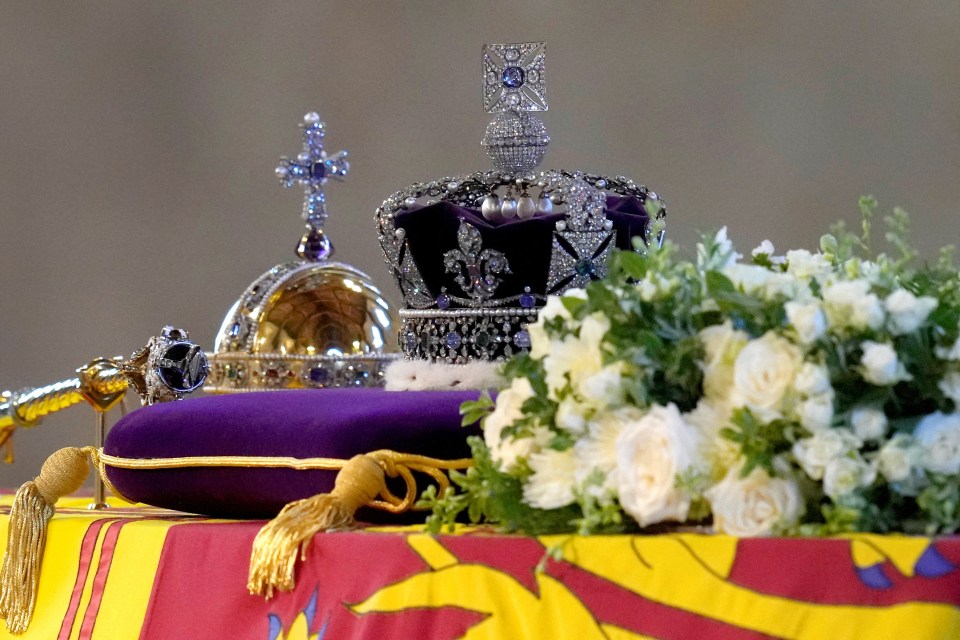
{"points": [[361, 479], [63, 473]]}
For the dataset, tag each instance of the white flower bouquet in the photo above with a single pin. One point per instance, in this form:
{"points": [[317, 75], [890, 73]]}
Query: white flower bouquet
{"points": [[808, 393]]}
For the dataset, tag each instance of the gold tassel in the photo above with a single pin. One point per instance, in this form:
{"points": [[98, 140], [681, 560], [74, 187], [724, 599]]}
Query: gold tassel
{"points": [[63, 473], [274, 556]]}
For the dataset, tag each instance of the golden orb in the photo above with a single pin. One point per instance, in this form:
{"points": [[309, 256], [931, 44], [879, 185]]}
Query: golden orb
{"points": [[304, 325]]}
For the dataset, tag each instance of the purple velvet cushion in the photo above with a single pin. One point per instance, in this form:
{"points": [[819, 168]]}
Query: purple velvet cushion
{"points": [[328, 423]]}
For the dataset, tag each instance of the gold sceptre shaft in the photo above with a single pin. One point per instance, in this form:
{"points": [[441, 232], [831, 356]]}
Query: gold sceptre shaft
{"points": [[98, 381], [167, 368]]}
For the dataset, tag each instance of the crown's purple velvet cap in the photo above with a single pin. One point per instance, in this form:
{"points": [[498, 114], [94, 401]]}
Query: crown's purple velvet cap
{"points": [[527, 244], [315, 423]]}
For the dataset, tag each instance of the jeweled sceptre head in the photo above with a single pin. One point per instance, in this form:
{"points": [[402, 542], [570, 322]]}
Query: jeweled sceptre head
{"points": [[311, 169]]}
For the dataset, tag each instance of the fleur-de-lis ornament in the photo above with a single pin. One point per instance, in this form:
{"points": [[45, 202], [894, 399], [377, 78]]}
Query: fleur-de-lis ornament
{"points": [[476, 268]]}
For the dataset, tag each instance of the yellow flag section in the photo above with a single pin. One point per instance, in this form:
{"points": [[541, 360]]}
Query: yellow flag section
{"points": [[693, 586], [75, 600]]}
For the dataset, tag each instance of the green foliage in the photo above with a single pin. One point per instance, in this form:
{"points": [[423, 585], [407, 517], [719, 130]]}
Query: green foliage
{"points": [[489, 495], [760, 442], [940, 505], [473, 411]]}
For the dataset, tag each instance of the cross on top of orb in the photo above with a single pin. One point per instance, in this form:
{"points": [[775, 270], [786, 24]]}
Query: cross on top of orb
{"points": [[311, 168], [514, 77]]}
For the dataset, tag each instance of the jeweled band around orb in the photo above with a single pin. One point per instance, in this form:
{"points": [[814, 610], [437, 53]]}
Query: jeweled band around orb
{"points": [[236, 372], [463, 335]]}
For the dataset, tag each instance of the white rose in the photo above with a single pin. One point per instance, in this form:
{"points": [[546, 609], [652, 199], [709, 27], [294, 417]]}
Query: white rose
{"points": [[550, 486], [813, 453], [806, 265], [906, 312], [816, 412], [651, 453], [807, 319], [721, 344], [897, 458], [597, 451], [813, 380], [753, 506], [506, 450], [868, 423], [604, 388], [950, 385], [842, 476], [939, 436], [880, 366], [849, 303], [763, 372]]}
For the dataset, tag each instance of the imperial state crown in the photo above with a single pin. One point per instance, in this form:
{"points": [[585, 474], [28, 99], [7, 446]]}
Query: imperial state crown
{"points": [[476, 256]]}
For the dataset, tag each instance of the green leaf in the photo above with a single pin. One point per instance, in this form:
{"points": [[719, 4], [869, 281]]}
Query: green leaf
{"points": [[717, 283], [473, 411]]}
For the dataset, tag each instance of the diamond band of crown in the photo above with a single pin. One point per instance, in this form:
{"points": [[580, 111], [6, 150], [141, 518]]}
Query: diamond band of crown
{"points": [[465, 334], [475, 256]]}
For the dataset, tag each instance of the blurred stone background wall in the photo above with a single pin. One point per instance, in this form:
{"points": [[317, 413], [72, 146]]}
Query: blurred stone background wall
{"points": [[138, 139]]}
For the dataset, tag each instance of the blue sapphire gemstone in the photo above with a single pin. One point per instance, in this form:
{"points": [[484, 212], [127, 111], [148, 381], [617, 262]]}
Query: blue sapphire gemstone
{"points": [[512, 77], [319, 375], [585, 267], [319, 170], [235, 330], [522, 339], [360, 377], [411, 342], [453, 340], [443, 301], [527, 300]]}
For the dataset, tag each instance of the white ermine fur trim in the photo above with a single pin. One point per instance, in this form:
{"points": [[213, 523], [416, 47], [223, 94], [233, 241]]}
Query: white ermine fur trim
{"points": [[423, 375]]}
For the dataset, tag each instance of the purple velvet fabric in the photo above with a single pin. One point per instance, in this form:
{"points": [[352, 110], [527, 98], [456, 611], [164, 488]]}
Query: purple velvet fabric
{"points": [[527, 244], [328, 423]]}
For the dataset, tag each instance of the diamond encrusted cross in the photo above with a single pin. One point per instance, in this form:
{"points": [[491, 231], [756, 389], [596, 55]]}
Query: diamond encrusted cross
{"points": [[311, 168], [514, 78]]}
